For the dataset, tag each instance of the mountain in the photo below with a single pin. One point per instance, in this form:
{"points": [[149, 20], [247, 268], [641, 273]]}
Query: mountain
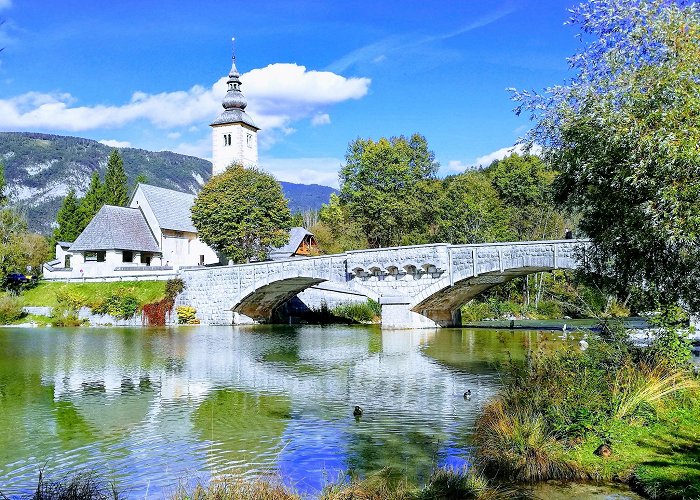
{"points": [[41, 168]]}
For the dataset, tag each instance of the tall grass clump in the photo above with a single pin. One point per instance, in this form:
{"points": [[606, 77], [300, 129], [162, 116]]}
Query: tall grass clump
{"points": [[359, 312], [571, 399], [83, 486], [238, 489]]}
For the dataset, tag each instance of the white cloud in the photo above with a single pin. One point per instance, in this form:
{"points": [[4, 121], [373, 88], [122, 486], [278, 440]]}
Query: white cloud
{"points": [[317, 170], [112, 143], [174, 135], [455, 166], [321, 119], [278, 95]]}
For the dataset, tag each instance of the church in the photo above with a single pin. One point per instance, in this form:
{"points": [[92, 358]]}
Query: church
{"points": [[153, 237]]}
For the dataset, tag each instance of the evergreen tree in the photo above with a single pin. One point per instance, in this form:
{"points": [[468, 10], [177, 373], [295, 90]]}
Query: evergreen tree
{"points": [[116, 186], [3, 185], [69, 218], [92, 202]]}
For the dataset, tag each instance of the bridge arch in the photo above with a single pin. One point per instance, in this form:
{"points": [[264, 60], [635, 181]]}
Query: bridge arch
{"points": [[441, 301]]}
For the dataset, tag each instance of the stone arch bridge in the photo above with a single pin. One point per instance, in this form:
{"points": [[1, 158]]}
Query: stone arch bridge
{"points": [[419, 286]]}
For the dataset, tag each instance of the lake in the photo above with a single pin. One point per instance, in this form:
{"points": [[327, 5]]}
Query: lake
{"points": [[151, 408]]}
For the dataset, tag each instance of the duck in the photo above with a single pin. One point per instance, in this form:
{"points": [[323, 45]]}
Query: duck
{"points": [[468, 394], [357, 412]]}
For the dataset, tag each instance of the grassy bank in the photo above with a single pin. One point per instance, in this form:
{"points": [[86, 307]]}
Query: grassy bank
{"points": [[49, 293], [609, 412]]}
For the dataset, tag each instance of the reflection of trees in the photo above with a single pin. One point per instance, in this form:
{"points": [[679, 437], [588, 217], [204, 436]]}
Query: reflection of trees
{"points": [[477, 351], [242, 427], [412, 453]]}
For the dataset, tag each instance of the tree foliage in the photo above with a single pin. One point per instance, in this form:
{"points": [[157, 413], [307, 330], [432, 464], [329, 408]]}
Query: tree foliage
{"points": [[93, 200], [242, 213], [18, 247], [470, 211], [116, 184], [69, 218], [3, 185], [624, 134], [377, 185]]}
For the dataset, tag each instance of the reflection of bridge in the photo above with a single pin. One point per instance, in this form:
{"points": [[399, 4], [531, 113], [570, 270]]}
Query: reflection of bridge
{"points": [[417, 286]]}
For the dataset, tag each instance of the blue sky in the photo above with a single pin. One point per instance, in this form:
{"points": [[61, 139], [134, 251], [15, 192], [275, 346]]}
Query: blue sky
{"points": [[317, 74]]}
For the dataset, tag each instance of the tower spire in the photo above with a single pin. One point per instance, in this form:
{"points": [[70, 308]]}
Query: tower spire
{"points": [[234, 70], [234, 133]]}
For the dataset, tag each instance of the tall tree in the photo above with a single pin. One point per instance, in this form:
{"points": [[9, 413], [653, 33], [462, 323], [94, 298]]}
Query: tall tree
{"points": [[116, 185], [3, 184], [93, 200], [242, 213], [69, 218], [378, 182], [470, 211], [524, 183], [624, 135]]}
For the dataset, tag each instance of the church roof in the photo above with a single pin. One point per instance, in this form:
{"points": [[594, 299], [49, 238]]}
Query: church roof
{"points": [[117, 228], [171, 208], [296, 236]]}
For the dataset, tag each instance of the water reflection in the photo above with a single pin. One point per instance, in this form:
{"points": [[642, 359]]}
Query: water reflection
{"points": [[153, 407]]}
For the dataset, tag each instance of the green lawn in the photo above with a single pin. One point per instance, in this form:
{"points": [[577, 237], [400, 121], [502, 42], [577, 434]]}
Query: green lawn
{"points": [[44, 294], [661, 460]]}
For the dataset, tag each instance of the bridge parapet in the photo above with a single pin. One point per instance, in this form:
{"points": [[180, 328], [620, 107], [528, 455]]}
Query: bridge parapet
{"points": [[418, 286]]}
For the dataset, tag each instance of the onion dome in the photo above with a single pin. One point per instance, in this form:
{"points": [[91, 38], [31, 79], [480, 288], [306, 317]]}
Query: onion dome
{"points": [[234, 102]]}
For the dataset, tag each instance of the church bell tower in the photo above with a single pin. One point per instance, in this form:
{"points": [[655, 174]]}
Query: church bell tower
{"points": [[234, 134]]}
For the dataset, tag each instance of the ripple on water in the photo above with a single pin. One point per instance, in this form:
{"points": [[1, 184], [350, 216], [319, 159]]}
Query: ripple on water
{"points": [[154, 408]]}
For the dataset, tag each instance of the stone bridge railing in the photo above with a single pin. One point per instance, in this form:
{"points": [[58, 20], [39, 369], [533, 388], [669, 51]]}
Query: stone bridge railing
{"points": [[418, 286]]}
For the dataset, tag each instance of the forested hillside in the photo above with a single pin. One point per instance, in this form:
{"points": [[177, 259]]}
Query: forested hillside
{"points": [[41, 168]]}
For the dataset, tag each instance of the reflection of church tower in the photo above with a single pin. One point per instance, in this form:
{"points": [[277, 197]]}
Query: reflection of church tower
{"points": [[234, 135]]}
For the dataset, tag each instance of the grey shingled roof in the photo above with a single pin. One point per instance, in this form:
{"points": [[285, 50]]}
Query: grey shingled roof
{"points": [[296, 236], [234, 116], [171, 208], [117, 228]]}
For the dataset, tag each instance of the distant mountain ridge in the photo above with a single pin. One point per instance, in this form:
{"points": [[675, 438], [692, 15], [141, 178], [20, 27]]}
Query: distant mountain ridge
{"points": [[41, 168]]}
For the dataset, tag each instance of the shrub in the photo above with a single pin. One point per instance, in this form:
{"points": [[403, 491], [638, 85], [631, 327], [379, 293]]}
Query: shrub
{"points": [[120, 304], [186, 315], [70, 300], [64, 316], [359, 312], [476, 311], [173, 288], [10, 308]]}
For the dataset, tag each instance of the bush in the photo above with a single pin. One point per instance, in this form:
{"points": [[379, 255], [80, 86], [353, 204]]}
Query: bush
{"points": [[186, 315], [173, 288], [10, 309], [359, 312], [120, 304], [70, 300], [64, 316]]}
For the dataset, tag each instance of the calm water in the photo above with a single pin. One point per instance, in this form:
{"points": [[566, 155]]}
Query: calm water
{"points": [[149, 408]]}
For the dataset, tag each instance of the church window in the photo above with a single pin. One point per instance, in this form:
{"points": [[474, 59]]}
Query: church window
{"points": [[229, 139], [66, 261], [201, 260], [127, 256], [101, 256], [249, 140]]}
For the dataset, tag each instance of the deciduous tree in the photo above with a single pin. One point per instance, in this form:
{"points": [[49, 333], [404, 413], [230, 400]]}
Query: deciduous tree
{"points": [[624, 134], [378, 185], [242, 213]]}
